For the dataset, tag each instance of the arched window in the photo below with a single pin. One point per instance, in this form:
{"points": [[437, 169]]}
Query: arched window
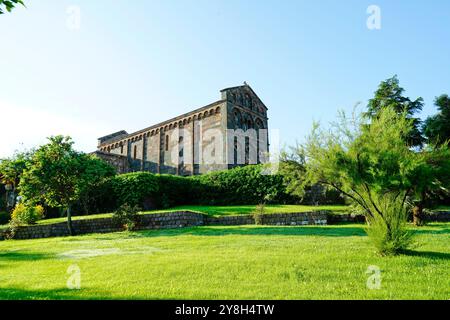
{"points": [[121, 149]]}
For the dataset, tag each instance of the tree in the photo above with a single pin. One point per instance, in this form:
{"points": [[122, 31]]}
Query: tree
{"points": [[9, 5], [389, 95], [58, 176], [371, 165], [431, 178], [11, 170], [95, 171], [292, 168], [437, 128]]}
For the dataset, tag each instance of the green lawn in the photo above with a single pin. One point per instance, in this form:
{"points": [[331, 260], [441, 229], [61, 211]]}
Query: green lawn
{"points": [[244, 262], [214, 211], [443, 208], [274, 208]]}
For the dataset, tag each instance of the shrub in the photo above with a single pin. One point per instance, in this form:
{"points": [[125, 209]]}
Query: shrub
{"points": [[136, 189], [242, 185], [24, 214], [176, 190], [258, 213], [388, 231], [127, 216]]}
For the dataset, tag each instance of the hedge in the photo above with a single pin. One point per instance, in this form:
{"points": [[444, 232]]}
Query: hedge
{"points": [[244, 185]]}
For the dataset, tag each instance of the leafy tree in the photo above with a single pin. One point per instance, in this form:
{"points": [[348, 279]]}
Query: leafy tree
{"points": [[437, 128], [11, 169], [292, 168], [9, 5], [431, 178], [58, 176], [368, 164], [390, 95]]}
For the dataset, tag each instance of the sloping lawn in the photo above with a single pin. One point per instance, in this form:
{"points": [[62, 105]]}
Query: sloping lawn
{"points": [[213, 210], [442, 208], [274, 208], [251, 262]]}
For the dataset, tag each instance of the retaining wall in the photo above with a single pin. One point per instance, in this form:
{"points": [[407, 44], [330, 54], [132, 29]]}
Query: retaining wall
{"points": [[165, 221]]}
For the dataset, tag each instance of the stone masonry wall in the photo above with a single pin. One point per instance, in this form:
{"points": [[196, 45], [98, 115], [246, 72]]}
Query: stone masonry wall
{"points": [[165, 221], [191, 219]]}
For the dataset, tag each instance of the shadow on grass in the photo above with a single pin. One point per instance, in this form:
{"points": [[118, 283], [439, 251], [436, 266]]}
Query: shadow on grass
{"points": [[258, 231], [437, 228], [23, 256], [427, 254], [67, 294], [56, 294]]}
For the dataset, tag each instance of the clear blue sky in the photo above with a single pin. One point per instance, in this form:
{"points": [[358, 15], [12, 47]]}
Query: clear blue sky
{"points": [[135, 63]]}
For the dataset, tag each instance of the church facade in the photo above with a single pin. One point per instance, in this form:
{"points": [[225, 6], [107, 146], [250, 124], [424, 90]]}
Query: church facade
{"points": [[230, 132]]}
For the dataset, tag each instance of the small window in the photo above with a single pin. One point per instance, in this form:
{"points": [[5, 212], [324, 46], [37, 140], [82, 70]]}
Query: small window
{"points": [[167, 142], [121, 149], [135, 152]]}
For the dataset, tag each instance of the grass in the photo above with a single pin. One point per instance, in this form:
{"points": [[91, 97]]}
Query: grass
{"points": [[210, 210], [442, 208], [248, 209], [251, 262]]}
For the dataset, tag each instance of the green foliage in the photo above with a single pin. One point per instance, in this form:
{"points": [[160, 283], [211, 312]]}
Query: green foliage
{"points": [[390, 96], [8, 5], [136, 189], [258, 213], [127, 216], [388, 230], [242, 185], [59, 176], [27, 214], [11, 169], [366, 162], [292, 168], [175, 190], [437, 128]]}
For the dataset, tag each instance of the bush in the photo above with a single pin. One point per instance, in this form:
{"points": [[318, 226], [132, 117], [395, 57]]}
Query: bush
{"points": [[24, 214], [136, 189], [242, 185], [127, 216], [388, 232], [258, 214]]}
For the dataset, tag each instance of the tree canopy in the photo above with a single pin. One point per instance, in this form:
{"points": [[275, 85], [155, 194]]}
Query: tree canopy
{"points": [[437, 128], [8, 5], [390, 95], [57, 175]]}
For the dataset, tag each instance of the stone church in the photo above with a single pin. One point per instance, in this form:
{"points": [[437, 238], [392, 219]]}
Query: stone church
{"points": [[230, 132]]}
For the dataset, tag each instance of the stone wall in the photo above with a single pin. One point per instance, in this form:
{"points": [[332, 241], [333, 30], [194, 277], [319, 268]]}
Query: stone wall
{"points": [[184, 219], [439, 216], [166, 221]]}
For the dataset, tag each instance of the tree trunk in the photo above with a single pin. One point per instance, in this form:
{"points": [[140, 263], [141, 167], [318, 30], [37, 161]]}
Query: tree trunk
{"points": [[418, 217], [69, 221]]}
